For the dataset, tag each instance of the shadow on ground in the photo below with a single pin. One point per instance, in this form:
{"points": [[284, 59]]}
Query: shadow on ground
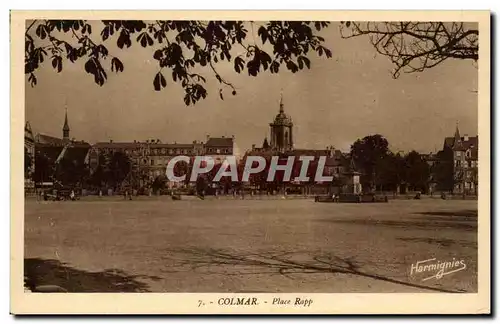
{"points": [[441, 242], [233, 263], [460, 213], [39, 272], [460, 220]]}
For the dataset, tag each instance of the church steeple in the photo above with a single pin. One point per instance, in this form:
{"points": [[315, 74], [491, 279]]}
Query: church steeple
{"points": [[66, 126], [457, 135]]}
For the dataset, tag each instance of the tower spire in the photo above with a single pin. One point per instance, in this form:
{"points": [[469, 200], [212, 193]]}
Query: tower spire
{"points": [[282, 109], [66, 126], [457, 132]]}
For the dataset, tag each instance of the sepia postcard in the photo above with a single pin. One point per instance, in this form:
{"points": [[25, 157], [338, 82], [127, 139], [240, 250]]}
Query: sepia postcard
{"points": [[250, 162]]}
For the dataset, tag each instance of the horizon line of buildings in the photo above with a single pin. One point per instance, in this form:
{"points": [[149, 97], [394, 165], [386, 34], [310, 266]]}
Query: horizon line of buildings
{"points": [[151, 156]]}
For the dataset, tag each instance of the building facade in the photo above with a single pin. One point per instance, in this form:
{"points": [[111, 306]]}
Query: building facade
{"points": [[462, 152], [29, 158], [149, 159]]}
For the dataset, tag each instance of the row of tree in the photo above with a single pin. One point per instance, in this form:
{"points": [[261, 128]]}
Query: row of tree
{"points": [[387, 171]]}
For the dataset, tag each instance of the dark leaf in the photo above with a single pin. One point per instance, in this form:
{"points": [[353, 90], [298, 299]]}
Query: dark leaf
{"points": [[275, 67], [262, 32], [58, 64], [159, 81], [102, 49], [117, 64], [292, 66], [163, 81], [124, 39], [306, 61], [158, 54], [149, 39], [90, 66], [105, 33], [239, 64], [328, 53], [68, 47], [41, 32], [54, 62]]}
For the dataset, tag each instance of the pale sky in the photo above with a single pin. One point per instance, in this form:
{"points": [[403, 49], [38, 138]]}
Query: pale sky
{"points": [[334, 103]]}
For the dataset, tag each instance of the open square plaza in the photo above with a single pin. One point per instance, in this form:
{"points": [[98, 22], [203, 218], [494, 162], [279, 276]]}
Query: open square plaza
{"points": [[155, 244]]}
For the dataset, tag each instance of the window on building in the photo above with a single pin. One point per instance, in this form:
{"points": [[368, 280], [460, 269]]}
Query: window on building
{"points": [[152, 162], [459, 154], [218, 151], [457, 163]]}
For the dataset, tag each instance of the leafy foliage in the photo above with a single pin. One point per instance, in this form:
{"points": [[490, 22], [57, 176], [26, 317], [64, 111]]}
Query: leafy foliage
{"points": [[417, 171], [367, 154], [386, 170], [113, 169], [178, 47]]}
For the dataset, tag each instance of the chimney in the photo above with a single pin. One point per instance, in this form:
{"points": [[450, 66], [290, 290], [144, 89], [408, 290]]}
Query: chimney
{"points": [[223, 136], [466, 137], [253, 146], [111, 141], [135, 141], [208, 137]]}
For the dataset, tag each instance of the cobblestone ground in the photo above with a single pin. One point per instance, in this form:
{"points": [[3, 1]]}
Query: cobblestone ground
{"points": [[160, 245]]}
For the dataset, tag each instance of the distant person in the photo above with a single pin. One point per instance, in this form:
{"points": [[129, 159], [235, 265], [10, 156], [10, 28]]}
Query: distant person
{"points": [[72, 195], [100, 193]]}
